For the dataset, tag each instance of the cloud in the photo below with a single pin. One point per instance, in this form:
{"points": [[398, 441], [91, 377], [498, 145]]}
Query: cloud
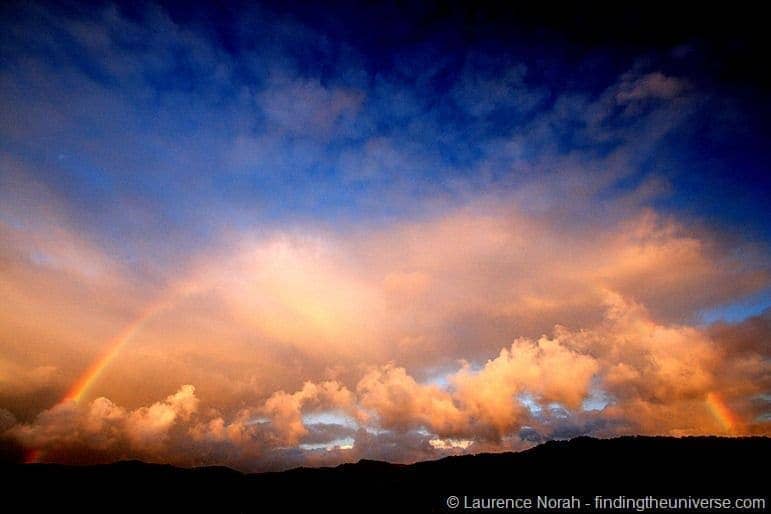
{"points": [[106, 427], [7, 420], [307, 107], [484, 403], [484, 88], [400, 403], [655, 378], [654, 85], [448, 444], [547, 369], [289, 307], [744, 356], [285, 410], [149, 425]]}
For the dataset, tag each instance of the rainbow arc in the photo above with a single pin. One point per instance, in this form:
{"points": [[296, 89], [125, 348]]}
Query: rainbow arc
{"points": [[91, 375]]}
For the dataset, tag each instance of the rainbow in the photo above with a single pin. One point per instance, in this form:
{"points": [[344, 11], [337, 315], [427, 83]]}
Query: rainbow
{"points": [[95, 370], [724, 415], [89, 377]]}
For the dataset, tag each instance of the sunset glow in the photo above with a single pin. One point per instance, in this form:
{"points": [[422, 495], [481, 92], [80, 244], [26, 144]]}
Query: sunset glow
{"points": [[268, 236], [94, 371], [728, 420]]}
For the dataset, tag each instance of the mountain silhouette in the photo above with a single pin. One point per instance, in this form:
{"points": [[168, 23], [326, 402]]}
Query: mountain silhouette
{"points": [[583, 467]]}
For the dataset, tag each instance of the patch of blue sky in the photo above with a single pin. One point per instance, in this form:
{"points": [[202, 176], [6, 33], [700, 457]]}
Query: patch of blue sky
{"points": [[738, 311], [341, 443], [597, 399], [529, 401], [330, 418]]}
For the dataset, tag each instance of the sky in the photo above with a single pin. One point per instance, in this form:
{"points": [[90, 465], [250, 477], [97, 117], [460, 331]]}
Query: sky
{"points": [[282, 234]]}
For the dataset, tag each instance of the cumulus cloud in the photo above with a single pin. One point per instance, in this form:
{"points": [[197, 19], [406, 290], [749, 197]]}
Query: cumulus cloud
{"points": [[654, 378], [285, 410], [106, 427], [399, 402], [383, 313], [480, 403], [547, 369], [149, 425]]}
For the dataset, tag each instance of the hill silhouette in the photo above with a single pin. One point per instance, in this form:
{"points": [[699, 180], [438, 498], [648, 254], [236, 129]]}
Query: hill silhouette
{"points": [[585, 467]]}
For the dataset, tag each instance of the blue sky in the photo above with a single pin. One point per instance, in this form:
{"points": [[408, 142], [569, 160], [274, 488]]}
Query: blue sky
{"points": [[264, 117]]}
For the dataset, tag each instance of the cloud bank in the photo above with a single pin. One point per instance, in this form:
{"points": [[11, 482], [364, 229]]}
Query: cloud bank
{"points": [[654, 379]]}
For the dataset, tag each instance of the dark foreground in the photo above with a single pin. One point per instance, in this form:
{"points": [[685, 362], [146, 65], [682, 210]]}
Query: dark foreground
{"points": [[556, 471]]}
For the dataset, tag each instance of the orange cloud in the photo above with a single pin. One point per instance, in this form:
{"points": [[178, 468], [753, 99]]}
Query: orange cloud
{"points": [[399, 402], [658, 379], [285, 410], [104, 426], [380, 312]]}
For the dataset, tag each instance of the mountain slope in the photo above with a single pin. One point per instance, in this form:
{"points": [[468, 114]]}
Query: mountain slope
{"points": [[586, 467]]}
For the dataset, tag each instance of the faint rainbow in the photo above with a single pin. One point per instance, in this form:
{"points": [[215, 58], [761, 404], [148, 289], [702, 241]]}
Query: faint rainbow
{"points": [[87, 379], [94, 371], [722, 412]]}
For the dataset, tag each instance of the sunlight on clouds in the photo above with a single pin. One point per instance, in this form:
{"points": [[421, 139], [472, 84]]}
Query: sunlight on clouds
{"points": [[288, 248], [448, 444], [337, 444], [293, 292], [380, 308], [654, 379]]}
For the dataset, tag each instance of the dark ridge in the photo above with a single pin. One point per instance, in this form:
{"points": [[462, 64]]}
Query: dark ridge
{"points": [[585, 467]]}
